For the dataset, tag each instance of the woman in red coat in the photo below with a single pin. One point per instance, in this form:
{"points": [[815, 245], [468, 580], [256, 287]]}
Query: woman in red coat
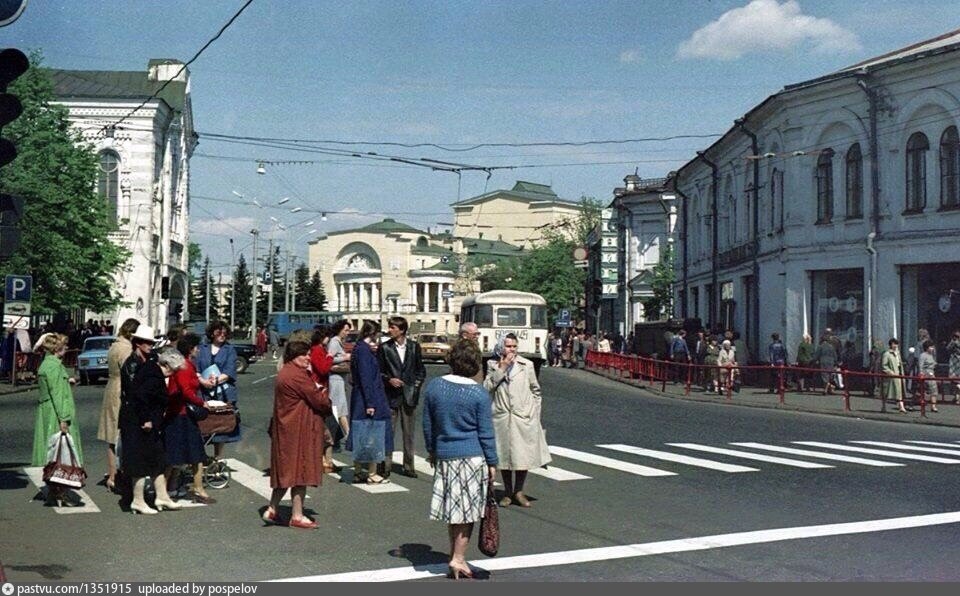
{"points": [[296, 434], [320, 364]]}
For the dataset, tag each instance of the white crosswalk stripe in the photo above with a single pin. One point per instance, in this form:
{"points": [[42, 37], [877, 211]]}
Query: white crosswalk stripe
{"points": [[821, 455], [251, 478], [375, 489], [934, 443], [35, 474], [607, 462], [953, 452], [796, 463], [420, 464], [886, 453], [680, 459], [559, 474]]}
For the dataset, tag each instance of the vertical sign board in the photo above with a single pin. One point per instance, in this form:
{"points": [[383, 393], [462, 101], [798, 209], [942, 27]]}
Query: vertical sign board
{"points": [[609, 251], [16, 301]]}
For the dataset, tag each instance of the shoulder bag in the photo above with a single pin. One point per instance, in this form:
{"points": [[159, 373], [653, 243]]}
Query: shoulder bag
{"points": [[65, 472], [489, 539]]}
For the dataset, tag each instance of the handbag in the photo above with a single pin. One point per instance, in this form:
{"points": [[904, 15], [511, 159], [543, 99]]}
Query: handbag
{"points": [[489, 539], [195, 412], [343, 368], [368, 440], [67, 473]]}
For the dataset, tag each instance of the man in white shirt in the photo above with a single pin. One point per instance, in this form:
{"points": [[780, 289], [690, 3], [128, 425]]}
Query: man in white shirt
{"points": [[403, 372]]}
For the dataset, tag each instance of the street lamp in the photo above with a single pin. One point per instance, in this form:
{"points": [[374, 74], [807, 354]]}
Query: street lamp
{"points": [[233, 285], [256, 287]]}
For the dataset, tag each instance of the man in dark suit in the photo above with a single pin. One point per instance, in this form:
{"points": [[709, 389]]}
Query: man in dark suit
{"points": [[402, 370]]}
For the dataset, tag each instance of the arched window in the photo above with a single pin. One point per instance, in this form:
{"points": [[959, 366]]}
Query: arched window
{"points": [[825, 186], [950, 169], [776, 200], [917, 146], [108, 182], [731, 220], [854, 182]]}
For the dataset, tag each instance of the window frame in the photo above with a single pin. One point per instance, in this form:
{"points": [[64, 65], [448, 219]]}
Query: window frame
{"points": [[950, 169], [823, 175], [854, 181], [915, 162], [108, 182]]}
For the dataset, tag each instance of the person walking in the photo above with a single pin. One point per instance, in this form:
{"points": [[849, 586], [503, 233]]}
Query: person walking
{"points": [[806, 358], [953, 349], [218, 351], [109, 430], [517, 401], [296, 435], [459, 436], [927, 368], [261, 341], [141, 429], [273, 338], [368, 399], [891, 365], [470, 331], [777, 356], [826, 356], [403, 372], [56, 412]]}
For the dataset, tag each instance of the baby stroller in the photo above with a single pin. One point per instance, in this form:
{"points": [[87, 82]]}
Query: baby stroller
{"points": [[220, 420]]}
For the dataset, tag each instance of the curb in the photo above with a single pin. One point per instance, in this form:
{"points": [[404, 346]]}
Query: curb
{"points": [[16, 390], [860, 414]]}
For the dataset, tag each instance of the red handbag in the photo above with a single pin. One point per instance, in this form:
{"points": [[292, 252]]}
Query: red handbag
{"points": [[489, 539], [70, 475]]}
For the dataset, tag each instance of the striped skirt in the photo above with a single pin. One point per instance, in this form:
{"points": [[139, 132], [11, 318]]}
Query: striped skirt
{"points": [[459, 490]]}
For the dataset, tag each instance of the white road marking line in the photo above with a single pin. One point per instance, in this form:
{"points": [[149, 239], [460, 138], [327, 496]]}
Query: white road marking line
{"points": [[936, 444], [420, 464], [927, 458], [608, 462], [953, 452], [375, 489], [820, 454], [558, 474], [252, 478], [796, 463], [681, 459], [629, 551], [263, 379], [36, 477]]}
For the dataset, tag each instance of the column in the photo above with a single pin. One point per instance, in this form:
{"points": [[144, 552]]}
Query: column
{"points": [[413, 294], [377, 300], [446, 301], [433, 291], [424, 290]]}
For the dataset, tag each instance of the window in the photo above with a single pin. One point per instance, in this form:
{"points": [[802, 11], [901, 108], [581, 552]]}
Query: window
{"points": [[825, 186], [108, 181], [731, 215], [776, 200], [950, 169], [483, 315], [917, 147], [512, 317], [538, 317], [854, 182]]}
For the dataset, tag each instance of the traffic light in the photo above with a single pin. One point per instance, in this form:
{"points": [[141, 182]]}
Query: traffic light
{"points": [[178, 309], [596, 287], [11, 210], [13, 63]]}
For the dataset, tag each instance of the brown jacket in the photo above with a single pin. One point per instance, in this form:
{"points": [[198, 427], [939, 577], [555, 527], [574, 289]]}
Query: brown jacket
{"points": [[296, 445]]}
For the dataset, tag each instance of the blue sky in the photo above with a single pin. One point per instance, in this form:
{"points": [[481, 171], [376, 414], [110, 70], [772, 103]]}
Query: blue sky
{"points": [[458, 73]]}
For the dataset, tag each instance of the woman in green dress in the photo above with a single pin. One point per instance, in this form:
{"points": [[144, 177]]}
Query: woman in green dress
{"points": [[56, 411]]}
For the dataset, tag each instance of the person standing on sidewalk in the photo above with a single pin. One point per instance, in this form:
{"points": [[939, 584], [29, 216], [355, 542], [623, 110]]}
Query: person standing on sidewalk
{"points": [[928, 369], [679, 354], [891, 365], [953, 348], [777, 354]]}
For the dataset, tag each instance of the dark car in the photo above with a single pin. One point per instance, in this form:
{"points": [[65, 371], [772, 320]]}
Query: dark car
{"points": [[246, 355]]}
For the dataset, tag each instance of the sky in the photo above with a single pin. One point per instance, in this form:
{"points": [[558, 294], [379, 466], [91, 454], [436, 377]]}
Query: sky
{"points": [[455, 74]]}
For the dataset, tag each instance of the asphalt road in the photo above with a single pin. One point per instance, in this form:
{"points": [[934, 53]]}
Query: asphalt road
{"points": [[642, 514]]}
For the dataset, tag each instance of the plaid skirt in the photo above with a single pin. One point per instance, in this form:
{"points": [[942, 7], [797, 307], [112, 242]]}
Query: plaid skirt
{"points": [[459, 490]]}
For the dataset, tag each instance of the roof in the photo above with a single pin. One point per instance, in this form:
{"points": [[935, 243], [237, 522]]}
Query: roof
{"points": [[491, 247], [115, 84], [387, 226], [530, 192], [940, 41]]}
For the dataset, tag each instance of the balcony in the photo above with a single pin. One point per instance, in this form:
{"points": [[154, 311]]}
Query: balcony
{"points": [[737, 254]]}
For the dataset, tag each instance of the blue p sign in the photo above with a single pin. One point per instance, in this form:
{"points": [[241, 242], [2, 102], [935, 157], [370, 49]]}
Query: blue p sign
{"points": [[18, 288]]}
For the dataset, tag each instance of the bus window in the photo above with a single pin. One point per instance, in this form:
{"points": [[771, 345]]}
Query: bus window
{"points": [[511, 317], [538, 317], [294, 319], [483, 315]]}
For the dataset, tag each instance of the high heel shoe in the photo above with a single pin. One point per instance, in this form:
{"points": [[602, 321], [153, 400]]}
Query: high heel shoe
{"points": [[170, 505], [456, 572], [143, 509]]}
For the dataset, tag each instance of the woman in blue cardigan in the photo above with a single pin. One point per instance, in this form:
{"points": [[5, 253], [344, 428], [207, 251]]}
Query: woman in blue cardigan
{"points": [[368, 400], [458, 431]]}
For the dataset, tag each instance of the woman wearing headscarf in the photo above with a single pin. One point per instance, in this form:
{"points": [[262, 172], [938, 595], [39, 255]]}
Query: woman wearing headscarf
{"points": [[369, 399], [109, 429], [182, 441], [296, 435], [218, 351], [141, 428], [56, 410], [459, 437], [517, 399]]}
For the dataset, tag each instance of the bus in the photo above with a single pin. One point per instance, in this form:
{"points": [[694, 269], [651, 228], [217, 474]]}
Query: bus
{"points": [[500, 312], [287, 321]]}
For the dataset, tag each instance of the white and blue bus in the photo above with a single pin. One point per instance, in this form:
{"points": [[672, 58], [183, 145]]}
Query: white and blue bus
{"points": [[287, 321], [499, 312]]}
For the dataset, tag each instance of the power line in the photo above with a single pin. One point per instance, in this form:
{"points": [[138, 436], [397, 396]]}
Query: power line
{"points": [[182, 68]]}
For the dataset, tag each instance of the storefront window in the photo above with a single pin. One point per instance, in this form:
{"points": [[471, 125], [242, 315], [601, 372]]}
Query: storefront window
{"points": [[837, 304], [931, 301]]}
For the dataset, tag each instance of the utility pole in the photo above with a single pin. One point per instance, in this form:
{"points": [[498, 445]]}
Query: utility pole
{"points": [[206, 282], [286, 283], [271, 259], [256, 286], [233, 285]]}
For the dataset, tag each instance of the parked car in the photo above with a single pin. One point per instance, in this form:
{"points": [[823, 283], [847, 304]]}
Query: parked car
{"points": [[246, 355], [434, 346], [92, 360]]}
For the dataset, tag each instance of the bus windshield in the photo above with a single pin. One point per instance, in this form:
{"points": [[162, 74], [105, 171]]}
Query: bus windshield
{"points": [[511, 316]]}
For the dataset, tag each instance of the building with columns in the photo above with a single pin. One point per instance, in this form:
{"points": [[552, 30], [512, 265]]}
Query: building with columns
{"points": [[144, 176]]}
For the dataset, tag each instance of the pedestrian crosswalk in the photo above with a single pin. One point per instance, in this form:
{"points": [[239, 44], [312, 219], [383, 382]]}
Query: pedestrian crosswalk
{"points": [[673, 460]]}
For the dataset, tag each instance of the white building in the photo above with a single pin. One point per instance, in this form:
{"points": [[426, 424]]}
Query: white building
{"points": [[834, 203], [144, 176]]}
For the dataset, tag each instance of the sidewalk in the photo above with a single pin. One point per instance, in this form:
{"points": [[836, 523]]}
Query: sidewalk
{"points": [[861, 406]]}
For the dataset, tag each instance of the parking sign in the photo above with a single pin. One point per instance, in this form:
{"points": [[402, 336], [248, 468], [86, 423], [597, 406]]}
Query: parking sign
{"points": [[16, 295]]}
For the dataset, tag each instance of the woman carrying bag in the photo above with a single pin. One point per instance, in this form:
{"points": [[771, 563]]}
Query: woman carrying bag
{"points": [[368, 405], [56, 412]]}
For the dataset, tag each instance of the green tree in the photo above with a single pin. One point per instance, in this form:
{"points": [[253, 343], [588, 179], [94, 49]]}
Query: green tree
{"points": [[65, 225], [241, 302], [310, 294], [661, 303], [198, 298]]}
